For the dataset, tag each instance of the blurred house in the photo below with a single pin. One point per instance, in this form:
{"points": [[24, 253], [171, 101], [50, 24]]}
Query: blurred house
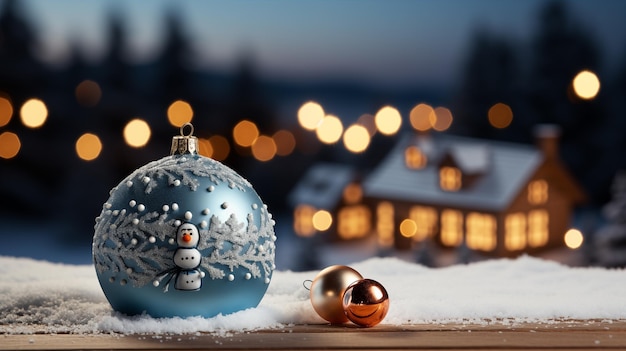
{"points": [[498, 198]]}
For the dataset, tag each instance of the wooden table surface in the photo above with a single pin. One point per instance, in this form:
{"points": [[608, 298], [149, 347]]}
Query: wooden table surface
{"points": [[579, 335]]}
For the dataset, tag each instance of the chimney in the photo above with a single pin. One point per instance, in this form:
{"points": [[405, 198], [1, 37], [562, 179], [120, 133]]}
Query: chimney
{"points": [[547, 139]]}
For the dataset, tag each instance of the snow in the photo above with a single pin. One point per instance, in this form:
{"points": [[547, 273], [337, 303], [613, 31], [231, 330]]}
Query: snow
{"points": [[43, 297]]}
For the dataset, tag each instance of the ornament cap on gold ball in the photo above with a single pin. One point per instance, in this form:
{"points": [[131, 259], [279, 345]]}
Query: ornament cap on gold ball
{"points": [[184, 143], [327, 291]]}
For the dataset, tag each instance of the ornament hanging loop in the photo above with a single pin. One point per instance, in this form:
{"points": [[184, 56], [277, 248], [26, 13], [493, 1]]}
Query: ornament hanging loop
{"points": [[184, 144], [182, 129], [307, 284]]}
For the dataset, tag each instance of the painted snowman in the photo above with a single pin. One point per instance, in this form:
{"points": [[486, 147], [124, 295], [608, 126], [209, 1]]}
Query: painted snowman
{"points": [[187, 258]]}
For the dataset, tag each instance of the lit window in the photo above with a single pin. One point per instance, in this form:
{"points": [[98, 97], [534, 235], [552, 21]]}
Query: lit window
{"points": [[414, 158], [352, 193], [515, 233], [451, 227], [538, 192], [426, 219], [353, 222], [481, 231], [385, 223], [303, 220], [538, 228], [450, 178]]}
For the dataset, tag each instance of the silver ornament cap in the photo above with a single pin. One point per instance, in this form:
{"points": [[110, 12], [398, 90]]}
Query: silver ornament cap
{"points": [[184, 143]]}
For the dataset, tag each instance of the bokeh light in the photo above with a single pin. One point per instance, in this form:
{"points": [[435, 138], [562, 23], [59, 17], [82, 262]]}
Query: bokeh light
{"points": [[422, 117], [310, 115], [408, 228], [9, 145], [205, 148], [573, 238], [88, 147], [322, 220], [88, 93], [179, 112], [586, 85], [388, 120], [443, 120], [6, 111], [245, 133], [329, 130], [368, 121], [356, 138], [500, 115], [34, 113], [285, 142], [264, 148], [137, 133], [221, 147]]}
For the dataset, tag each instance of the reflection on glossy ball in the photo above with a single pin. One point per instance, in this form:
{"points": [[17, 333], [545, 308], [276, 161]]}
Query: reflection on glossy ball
{"points": [[327, 291], [366, 302]]}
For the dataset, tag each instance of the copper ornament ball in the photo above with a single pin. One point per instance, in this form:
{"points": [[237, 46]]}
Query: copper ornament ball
{"points": [[366, 302], [327, 291]]}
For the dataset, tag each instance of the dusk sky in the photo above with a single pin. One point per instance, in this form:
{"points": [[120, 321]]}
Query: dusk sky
{"points": [[372, 41]]}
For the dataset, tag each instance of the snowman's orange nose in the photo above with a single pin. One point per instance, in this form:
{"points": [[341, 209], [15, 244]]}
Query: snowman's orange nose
{"points": [[186, 238]]}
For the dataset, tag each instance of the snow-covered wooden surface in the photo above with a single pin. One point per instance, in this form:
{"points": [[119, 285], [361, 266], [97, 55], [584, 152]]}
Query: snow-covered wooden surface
{"points": [[567, 335], [496, 304]]}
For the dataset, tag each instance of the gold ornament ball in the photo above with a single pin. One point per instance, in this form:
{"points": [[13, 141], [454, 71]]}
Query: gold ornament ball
{"points": [[327, 291], [366, 302]]}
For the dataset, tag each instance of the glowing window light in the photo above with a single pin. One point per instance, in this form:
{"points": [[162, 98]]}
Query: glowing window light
{"points": [[34, 113], [586, 85], [205, 148], [573, 239], [414, 158], [385, 223], [88, 93], [425, 219], [310, 115], [322, 220], [443, 119], [450, 178], [329, 130], [481, 231], [285, 142], [388, 120], [352, 193], [451, 227], [137, 133], [538, 192], [9, 145], [245, 133], [221, 147], [264, 148], [515, 231], [356, 138], [422, 117], [500, 115], [353, 222], [538, 228], [6, 111], [179, 112], [368, 121], [303, 220], [88, 147], [408, 228]]}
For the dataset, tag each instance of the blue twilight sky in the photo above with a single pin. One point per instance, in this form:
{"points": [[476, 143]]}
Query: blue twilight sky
{"points": [[374, 41]]}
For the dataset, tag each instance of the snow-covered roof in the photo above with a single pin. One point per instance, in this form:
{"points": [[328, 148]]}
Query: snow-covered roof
{"points": [[322, 185], [471, 158], [508, 168]]}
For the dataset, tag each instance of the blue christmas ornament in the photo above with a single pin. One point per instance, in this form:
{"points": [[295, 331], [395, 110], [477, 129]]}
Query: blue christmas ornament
{"points": [[184, 236]]}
